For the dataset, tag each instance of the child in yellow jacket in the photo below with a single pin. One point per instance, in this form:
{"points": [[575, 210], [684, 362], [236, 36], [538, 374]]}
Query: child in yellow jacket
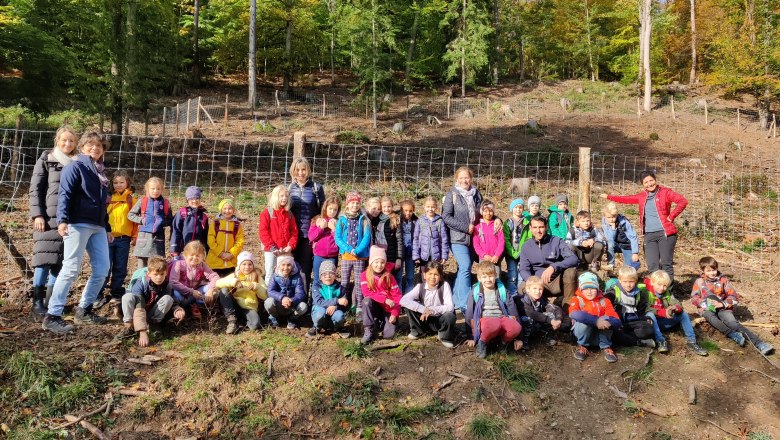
{"points": [[124, 231], [242, 292], [225, 239]]}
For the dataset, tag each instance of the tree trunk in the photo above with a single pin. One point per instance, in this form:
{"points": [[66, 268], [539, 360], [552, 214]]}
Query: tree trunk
{"points": [[522, 61], [195, 48], [332, 11], [642, 23], [590, 50], [412, 43], [373, 63], [648, 88], [463, 55], [251, 55], [692, 78], [117, 71], [288, 54], [497, 48]]}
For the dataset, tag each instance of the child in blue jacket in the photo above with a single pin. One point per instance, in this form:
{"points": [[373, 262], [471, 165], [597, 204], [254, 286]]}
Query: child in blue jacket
{"points": [[286, 293], [353, 237], [190, 223]]}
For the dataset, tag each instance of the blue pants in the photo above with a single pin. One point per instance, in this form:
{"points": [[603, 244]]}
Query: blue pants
{"points": [[588, 336], [460, 292], [612, 246], [321, 319], [190, 300], [81, 237], [118, 254], [317, 262], [512, 275], [682, 319], [408, 274], [43, 273]]}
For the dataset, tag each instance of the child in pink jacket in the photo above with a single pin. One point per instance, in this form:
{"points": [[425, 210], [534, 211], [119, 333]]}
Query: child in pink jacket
{"points": [[322, 236], [488, 237], [381, 297], [192, 280]]}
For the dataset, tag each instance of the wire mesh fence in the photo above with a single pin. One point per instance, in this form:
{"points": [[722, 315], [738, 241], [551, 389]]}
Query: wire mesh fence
{"points": [[733, 209]]}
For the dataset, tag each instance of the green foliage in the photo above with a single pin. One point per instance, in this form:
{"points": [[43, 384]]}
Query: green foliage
{"points": [[709, 345], [654, 136], [486, 427], [759, 435], [351, 137], [80, 390], [523, 380], [755, 245], [399, 419], [355, 350], [749, 183], [33, 377], [470, 48]]}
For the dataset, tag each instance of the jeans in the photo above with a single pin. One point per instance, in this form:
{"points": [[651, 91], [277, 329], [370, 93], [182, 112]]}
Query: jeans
{"points": [[270, 264], [726, 323], [511, 275], [118, 254], [682, 319], [587, 335], [315, 277], [321, 319], [189, 299], [81, 237], [408, 274], [42, 273], [460, 292], [659, 252], [611, 246]]}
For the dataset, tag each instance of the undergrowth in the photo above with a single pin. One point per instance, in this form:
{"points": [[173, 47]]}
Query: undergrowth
{"points": [[521, 380], [486, 427]]}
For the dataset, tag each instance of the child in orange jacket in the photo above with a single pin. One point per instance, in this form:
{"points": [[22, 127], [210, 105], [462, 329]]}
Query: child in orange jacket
{"points": [[593, 318]]}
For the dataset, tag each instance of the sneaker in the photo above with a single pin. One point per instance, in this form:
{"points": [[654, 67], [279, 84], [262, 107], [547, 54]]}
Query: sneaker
{"points": [[414, 335], [125, 333], [88, 316], [56, 324], [481, 349], [232, 327], [273, 322], [609, 355], [312, 332], [548, 341], [696, 348], [101, 301], [446, 344], [663, 346], [291, 325], [581, 353], [343, 334], [738, 338], [368, 335], [765, 348]]}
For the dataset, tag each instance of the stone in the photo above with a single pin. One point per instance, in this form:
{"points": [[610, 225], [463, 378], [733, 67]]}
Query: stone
{"points": [[565, 103], [721, 157], [533, 124], [468, 113], [579, 90], [398, 127], [753, 197], [695, 162], [520, 185]]}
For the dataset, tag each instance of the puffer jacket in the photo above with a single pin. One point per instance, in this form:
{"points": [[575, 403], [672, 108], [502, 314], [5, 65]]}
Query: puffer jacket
{"points": [[305, 203], [82, 198], [390, 239], [323, 241], [118, 210], [44, 194], [431, 241], [225, 235], [588, 311], [663, 204], [455, 213]]}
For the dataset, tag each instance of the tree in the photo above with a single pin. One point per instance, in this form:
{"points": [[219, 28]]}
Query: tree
{"points": [[692, 78], [251, 56], [645, 33], [468, 52]]}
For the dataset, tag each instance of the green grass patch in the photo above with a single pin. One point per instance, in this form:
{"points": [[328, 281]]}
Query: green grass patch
{"points": [[351, 137], [643, 375], [277, 339], [399, 419], [709, 345], [749, 183], [759, 435], [31, 433], [79, 391], [521, 380], [33, 377], [354, 350], [485, 427], [755, 245], [264, 127]]}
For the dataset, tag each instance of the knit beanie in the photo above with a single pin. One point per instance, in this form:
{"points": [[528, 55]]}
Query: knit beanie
{"points": [[225, 202], [327, 266], [192, 192], [285, 259], [588, 280], [376, 253], [245, 256], [514, 203], [354, 196], [561, 198], [534, 200]]}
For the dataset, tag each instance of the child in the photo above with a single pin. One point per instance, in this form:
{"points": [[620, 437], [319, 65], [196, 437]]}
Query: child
{"points": [[278, 231], [389, 236], [491, 312], [226, 239], [620, 236], [353, 237], [124, 232], [192, 280], [286, 293], [587, 242], [381, 297], [241, 292], [667, 312], [516, 233], [44, 194], [429, 306], [322, 236], [190, 223], [408, 226], [534, 207], [487, 238], [431, 241], [331, 302], [153, 213], [632, 303], [149, 300], [541, 317], [373, 210], [561, 220], [715, 297], [593, 318]]}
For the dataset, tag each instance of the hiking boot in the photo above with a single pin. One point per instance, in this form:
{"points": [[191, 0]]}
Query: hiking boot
{"points": [[312, 332], [291, 325], [368, 335], [696, 348], [232, 327], [610, 355], [344, 334], [126, 333], [87, 316], [481, 349], [663, 346], [49, 290], [765, 348], [581, 353], [738, 338], [414, 335], [548, 341], [56, 324], [38, 311], [273, 322]]}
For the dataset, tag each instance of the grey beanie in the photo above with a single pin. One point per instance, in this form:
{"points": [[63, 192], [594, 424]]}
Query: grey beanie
{"points": [[534, 200], [561, 198], [327, 266]]}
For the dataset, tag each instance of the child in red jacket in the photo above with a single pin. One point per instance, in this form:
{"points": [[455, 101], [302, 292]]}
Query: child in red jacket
{"points": [[593, 318], [381, 297], [278, 231]]}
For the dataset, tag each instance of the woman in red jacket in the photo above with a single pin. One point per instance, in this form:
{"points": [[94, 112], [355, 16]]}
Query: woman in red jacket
{"points": [[278, 231], [656, 219]]}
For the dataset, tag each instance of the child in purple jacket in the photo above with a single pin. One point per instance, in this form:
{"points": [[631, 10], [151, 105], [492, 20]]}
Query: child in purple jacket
{"points": [[431, 241], [487, 238], [322, 236]]}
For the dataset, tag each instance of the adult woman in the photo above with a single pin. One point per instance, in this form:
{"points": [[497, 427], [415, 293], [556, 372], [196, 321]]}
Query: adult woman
{"points": [[83, 223], [306, 199], [461, 213], [656, 220]]}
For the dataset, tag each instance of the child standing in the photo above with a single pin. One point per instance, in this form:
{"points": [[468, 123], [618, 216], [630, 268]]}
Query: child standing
{"points": [[226, 239], [488, 238], [240, 293], [149, 300], [429, 306], [192, 280], [278, 231], [516, 233], [124, 232], [492, 312], [286, 293], [44, 194], [153, 213], [593, 318], [620, 236], [534, 207], [561, 220], [715, 297], [431, 241], [541, 317], [353, 237], [373, 210], [331, 302], [408, 227], [667, 312], [322, 236], [389, 236], [587, 242], [381, 297], [632, 303], [190, 223]]}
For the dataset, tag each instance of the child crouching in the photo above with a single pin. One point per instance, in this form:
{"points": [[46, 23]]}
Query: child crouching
{"points": [[240, 293], [381, 297], [331, 302], [593, 318], [491, 312], [429, 306], [541, 317], [192, 280], [286, 293], [667, 312]]}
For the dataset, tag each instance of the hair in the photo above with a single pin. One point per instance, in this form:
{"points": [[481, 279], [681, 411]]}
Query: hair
{"points": [[407, 202], [434, 265], [466, 169], [646, 173], [375, 281], [93, 137], [157, 265], [611, 208], [151, 180], [395, 219], [61, 131], [708, 263], [660, 276], [538, 218], [627, 271], [583, 214], [194, 247], [485, 267], [255, 276], [372, 200], [432, 200], [123, 174], [332, 200], [535, 280], [301, 161], [486, 205], [273, 199]]}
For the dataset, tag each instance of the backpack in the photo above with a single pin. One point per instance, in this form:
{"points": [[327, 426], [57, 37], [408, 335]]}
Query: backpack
{"points": [[145, 201], [621, 239], [439, 292], [602, 303], [501, 291], [138, 275], [562, 219], [232, 232]]}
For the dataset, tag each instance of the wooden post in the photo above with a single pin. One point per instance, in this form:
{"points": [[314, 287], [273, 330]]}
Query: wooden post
{"points": [[584, 197], [276, 98], [774, 126], [674, 117], [706, 113], [638, 108], [407, 106], [127, 122], [187, 126], [366, 106], [527, 114], [17, 150], [738, 120], [146, 122], [165, 120], [299, 140], [323, 105], [197, 113], [487, 108], [602, 105], [449, 104], [226, 107], [177, 119]]}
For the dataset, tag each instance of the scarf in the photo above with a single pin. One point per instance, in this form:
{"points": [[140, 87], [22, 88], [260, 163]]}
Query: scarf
{"points": [[101, 172], [468, 195], [61, 157]]}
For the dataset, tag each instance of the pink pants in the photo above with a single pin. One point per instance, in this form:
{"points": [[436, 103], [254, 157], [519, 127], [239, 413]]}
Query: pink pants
{"points": [[507, 328]]}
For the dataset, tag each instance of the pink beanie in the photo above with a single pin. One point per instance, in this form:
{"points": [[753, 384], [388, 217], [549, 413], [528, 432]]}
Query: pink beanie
{"points": [[245, 256], [377, 253]]}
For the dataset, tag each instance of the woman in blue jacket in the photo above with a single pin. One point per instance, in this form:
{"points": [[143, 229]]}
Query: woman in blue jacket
{"points": [[306, 199], [83, 223]]}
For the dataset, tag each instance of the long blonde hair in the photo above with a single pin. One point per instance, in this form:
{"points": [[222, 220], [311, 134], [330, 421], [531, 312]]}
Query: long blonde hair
{"points": [[61, 131], [374, 282], [273, 199]]}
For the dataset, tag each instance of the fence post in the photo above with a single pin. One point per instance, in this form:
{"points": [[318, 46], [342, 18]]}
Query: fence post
{"points": [[197, 113], [177, 119], [527, 114], [226, 108], [602, 105], [299, 140], [584, 197], [407, 106], [276, 98], [638, 108], [449, 104], [187, 126], [165, 120], [706, 113], [366, 106], [17, 150], [127, 123], [146, 122], [487, 108], [323, 105], [774, 126], [738, 121], [674, 117]]}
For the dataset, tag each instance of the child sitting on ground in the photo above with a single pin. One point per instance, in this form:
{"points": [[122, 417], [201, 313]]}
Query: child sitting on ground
{"points": [[620, 236], [429, 306], [286, 293], [542, 317], [381, 297], [667, 312], [561, 220], [593, 318], [491, 312], [488, 237], [149, 299], [193, 280], [226, 239], [588, 241], [190, 223], [331, 302], [715, 297], [240, 293], [632, 303]]}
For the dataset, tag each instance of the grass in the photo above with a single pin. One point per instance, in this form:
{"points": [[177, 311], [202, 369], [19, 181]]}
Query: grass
{"points": [[709, 345], [755, 245], [33, 377], [742, 185], [355, 350], [521, 380], [486, 427], [79, 391], [264, 127], [759, 435], [643, 375], [399, 419], [351, 137], [31, 433]]}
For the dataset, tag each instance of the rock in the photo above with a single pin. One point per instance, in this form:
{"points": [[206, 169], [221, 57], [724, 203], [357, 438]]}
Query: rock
{"points": [[388, 98], [380, 155], [609, 430], [533, 124], [421, 369], [468, 113], [721, 157], [753, 197], [579, 90], [701, 103], [506, 110], [398, 127], [565, 103], [695, 163], [520, 185], [737, 146]]}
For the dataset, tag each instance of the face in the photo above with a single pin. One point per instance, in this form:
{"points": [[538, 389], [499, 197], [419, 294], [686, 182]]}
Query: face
{"points": [[193, 203], [585, 223], [378, 265], [93, 149], [328, 278], [659, 287], [157, 277], [332, 210], [538, 229], [407, 211], [487, 213], [611, 219], [533, 208], [284, 197], [387, 207], [432, 278], [285, 269], [67, 142], [246, 267], [563, 206], [154, 190], [193, 259], [301, 174], [353, 207], [627, 283], [710, 272], [488, 280], [649, 183], [430, 209], [373, 209], [228, 211], [589, 293], [517, 211], [119, 183], [464, 179], [535, 291]]}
